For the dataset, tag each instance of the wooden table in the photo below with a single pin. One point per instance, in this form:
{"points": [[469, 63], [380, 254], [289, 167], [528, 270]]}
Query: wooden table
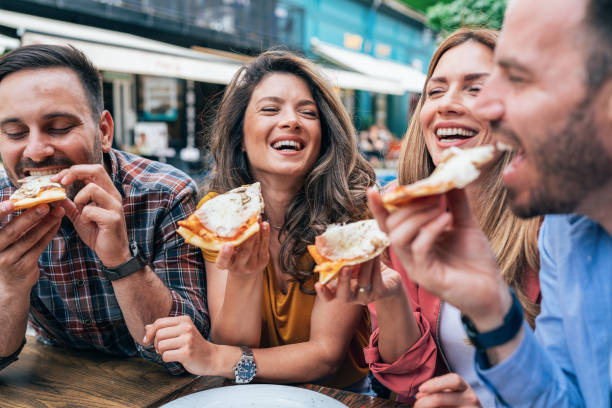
{"points": [[46, 376]]}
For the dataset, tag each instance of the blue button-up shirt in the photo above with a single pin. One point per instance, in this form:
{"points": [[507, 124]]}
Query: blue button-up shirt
{"points": [[566, 363]]}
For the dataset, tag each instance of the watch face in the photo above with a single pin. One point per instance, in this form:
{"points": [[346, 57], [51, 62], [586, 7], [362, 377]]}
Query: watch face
{"points": [[245, 370]]}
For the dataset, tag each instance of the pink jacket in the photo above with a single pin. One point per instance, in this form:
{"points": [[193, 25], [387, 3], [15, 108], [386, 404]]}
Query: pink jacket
{"points": [[425, 358]]}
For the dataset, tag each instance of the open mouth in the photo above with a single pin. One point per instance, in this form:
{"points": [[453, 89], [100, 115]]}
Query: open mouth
{"points": [[455, 134], [43, 172], [288, 145]]}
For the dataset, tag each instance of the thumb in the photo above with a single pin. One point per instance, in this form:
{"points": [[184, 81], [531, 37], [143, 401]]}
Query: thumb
{"points": [[460, 208], [71, 211]]}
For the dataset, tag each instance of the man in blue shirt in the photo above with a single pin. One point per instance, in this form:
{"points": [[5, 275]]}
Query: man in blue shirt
{"points": [[550, 101]]}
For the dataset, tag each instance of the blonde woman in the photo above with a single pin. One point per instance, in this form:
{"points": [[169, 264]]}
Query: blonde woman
{"points": [[419, 337]]}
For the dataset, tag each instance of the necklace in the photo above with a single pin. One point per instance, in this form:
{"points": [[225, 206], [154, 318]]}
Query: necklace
{"points": [[274, 227]]}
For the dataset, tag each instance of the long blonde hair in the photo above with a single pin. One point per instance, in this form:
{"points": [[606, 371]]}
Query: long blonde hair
{"points": [[513, 240]]}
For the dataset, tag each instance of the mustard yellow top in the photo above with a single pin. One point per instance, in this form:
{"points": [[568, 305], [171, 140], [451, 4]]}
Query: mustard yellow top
{"points": [[286, 320]]}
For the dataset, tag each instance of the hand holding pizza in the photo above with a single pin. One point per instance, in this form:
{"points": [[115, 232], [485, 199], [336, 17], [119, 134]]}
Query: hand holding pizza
{"points": [[97, 212], [250, 257], [445, 252], [364, 283], [22, 240]]}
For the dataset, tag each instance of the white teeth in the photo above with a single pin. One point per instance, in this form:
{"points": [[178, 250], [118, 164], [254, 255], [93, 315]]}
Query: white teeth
{"points": [[503, 146], [287, 143], [39, 173], [455, 131]]}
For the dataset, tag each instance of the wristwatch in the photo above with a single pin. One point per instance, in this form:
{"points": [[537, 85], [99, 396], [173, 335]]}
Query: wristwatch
{"points": [[245, 369], [503, 334], [134, 264]]}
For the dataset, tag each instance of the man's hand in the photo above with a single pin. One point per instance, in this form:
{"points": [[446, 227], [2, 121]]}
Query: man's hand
{"points": [[97, 213], [177, 339], [447, 253], [448, 390], [22, 240]]}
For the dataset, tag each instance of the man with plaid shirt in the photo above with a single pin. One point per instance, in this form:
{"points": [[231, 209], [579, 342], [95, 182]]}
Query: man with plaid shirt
{"points": [[90, 271]]}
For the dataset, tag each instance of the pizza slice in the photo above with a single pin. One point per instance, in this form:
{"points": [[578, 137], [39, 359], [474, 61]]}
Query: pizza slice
{"points": [[343, 245], [229, 218], [36, 190], [458, 168]]}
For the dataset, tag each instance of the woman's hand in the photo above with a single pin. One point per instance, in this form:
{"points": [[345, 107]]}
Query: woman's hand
{"points": [[448, 390], [248, 258], [364, 283], [177, 339]]}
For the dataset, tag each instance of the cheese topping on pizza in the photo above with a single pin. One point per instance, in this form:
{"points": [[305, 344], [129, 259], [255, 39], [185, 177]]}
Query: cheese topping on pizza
{"points": [[32, 186], [227, 214], [457, 169], [342, 245], [351, 240]]}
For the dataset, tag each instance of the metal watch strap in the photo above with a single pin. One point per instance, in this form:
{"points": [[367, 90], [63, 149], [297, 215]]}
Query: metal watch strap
{"points": [[245, 369], [501, 335], [134, 264]]}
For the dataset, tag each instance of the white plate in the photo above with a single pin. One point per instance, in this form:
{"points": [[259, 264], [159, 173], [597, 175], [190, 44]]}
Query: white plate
{"points": [[256, 396]]}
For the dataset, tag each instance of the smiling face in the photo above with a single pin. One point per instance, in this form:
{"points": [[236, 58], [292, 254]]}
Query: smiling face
{"points": [[540, 105], [46, 123], [282, 130], [446, 116]]}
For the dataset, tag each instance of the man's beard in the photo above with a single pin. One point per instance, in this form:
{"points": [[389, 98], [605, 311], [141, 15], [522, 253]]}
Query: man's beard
{"points": [[570, 164], [95, 157]]}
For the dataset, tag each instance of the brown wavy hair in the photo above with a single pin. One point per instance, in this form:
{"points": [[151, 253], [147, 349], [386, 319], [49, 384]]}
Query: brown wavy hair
{"points": [[335, 189], [513, 240]]}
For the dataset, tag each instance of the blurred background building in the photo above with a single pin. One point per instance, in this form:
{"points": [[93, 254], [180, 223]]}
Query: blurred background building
{"points": [[165, 63]]}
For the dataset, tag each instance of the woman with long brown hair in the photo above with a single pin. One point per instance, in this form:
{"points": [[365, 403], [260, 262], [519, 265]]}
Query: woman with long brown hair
{"points": [[420, 337], [281, 124]]}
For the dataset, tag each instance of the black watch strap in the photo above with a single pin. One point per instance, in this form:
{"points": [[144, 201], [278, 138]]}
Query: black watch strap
{"points": [[134, 264], [501, 335], [6, 361]]}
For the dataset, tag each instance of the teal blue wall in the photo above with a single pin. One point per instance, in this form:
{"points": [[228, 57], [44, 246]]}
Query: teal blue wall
{"points": [[329, 20]]}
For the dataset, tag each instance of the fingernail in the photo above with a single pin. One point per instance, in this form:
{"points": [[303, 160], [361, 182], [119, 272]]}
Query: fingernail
{"points": [[145, 340], [42, 209]]}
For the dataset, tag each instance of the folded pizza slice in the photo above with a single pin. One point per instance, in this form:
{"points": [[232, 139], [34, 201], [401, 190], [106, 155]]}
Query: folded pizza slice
{"points": [[229, 218], [36, 190], [457, 169], [343, 245]]}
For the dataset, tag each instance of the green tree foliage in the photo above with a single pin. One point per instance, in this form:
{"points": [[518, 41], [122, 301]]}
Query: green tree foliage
{"points": [[446, 17], [422, 5]]}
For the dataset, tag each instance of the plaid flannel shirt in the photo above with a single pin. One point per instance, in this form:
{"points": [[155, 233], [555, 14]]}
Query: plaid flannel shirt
{"points": [[73, 304]]}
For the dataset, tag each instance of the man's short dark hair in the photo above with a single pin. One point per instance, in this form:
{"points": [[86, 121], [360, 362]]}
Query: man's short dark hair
{"points": [[599, 22], [43, 56]]}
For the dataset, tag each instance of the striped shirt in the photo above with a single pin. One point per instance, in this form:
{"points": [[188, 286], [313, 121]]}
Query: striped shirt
{"points": [[74, 305]]}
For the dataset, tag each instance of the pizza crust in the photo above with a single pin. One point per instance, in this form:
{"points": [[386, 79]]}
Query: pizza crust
{"points": [[196, 232], [46, 196], [212, 244], [36, 190]]}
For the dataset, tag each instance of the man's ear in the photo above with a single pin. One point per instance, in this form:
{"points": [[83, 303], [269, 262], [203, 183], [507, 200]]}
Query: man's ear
{"points": [[106, 127]]}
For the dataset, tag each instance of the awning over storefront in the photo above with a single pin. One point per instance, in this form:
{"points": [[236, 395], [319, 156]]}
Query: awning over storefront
{"points": [[119, 59], [7, 43], [121, 52], [403, 76]]}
